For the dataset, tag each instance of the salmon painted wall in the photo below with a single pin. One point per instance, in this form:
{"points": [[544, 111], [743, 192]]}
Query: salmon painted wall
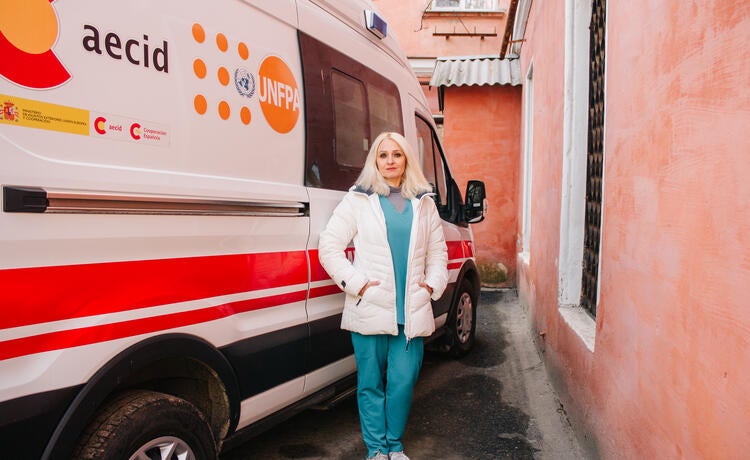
{"points": [[669, 375], [481, 142], [414, 26], [430, 93], [537, 278], [481, 124]]}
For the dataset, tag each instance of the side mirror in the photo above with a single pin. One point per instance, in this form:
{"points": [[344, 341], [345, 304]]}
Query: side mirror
{"points": [[476, 202]]}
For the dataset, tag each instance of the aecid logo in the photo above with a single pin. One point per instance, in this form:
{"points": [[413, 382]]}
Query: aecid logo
{"points": [[102, 126], [136, 131], [28, 29]]}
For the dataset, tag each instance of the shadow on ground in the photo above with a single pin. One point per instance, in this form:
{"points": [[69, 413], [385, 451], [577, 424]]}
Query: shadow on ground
{"points": [[458, 412]]}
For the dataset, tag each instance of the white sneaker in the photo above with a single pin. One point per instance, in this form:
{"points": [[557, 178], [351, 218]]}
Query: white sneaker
{"points": [[379, 456], [397, 456]]}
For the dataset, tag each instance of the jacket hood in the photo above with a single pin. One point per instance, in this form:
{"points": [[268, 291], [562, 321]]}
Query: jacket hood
{"points": [[368, 192], [360, 189]]}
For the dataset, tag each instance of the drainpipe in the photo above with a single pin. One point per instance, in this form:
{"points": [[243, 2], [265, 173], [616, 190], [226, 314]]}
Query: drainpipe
{"points": [[508, 27]]}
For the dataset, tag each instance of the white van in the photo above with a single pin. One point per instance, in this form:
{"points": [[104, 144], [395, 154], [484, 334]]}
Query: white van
{"points": [[166, 169]]}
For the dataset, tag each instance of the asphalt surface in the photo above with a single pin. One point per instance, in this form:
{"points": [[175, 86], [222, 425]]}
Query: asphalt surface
{"points": [[495, 403]]}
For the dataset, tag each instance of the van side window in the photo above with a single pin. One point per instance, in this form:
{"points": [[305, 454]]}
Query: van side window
{"points": [[347, 105], [432, 161], [350, 119], [385, 110]]}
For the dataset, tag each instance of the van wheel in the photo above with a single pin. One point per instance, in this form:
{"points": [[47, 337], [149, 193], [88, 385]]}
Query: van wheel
{"points": [[462, 321], [146, 425]]}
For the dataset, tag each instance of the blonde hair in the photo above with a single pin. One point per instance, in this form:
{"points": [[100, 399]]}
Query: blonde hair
{"points": [[413, 182]]}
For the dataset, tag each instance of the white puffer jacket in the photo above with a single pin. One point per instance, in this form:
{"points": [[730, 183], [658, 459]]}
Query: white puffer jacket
{"points": [[359, 218]]}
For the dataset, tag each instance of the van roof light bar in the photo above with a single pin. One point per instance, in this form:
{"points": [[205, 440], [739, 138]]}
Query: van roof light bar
{"points": [[376, 24]]}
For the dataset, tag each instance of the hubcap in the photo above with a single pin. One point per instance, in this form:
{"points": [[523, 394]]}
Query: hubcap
{"points": [[464, 317], [164, 448]]}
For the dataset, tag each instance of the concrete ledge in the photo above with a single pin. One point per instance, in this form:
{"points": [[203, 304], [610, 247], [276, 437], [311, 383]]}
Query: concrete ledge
{"points": [[581, 323]]}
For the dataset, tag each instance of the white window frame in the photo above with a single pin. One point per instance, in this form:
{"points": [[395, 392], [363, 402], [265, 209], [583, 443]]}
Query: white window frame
{"points": [[573, 193], [462, 6], [528, 147]]}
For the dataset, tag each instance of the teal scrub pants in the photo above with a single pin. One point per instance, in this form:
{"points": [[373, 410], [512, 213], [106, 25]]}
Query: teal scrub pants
{"points": [[387, 370]]}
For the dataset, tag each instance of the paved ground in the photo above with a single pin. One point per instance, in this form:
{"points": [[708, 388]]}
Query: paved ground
{"points": [[496, 403]]}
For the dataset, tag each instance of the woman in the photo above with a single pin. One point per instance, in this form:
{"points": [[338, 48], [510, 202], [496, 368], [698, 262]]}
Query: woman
{"points": [[400, 262]]}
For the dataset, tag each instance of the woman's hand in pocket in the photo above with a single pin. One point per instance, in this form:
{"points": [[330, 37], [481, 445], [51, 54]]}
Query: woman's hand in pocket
{"points": [[366, 286], [426, 286]]}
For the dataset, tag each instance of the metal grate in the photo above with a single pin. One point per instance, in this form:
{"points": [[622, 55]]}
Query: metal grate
{"points": [[594, 173]]}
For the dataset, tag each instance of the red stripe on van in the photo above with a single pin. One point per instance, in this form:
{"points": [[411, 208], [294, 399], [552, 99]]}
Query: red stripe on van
{"points": [[468, 248], [455, 250], [102, 333], [317, 272], [42, 294], [324, 291], [38, 295]]}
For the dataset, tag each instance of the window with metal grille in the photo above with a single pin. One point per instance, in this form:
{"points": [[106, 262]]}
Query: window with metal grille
{"points": [[595, 157], [463, 5]]}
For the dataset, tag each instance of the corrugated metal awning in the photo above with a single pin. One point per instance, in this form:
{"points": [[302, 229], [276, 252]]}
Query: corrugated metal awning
{"points": [[476, 70]]}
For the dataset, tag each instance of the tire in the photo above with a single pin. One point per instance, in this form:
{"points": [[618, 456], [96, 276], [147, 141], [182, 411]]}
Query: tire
{"points": [[462, 321], [138, 425]]}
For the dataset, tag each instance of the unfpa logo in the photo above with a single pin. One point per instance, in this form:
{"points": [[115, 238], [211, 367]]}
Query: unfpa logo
{"points": [[28, 29]]}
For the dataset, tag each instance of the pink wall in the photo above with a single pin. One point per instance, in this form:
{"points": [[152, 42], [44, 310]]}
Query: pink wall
{"points": [[482, 142], [414, 29], [481, 124], [430, 92], [669, 376]]}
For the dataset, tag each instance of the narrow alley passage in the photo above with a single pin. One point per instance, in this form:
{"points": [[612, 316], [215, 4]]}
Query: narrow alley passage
{"points": [[496, 403]]}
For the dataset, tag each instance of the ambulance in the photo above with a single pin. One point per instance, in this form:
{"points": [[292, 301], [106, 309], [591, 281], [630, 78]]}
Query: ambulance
{"points": [[166, 168]]}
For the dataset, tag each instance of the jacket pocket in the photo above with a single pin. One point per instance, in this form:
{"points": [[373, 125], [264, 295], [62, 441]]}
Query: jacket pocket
{"points": [[421, 296], [375, 295]]}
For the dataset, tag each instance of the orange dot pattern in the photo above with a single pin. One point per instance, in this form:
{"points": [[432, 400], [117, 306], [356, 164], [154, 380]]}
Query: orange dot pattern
{"points": [[200, 69], [243, 51], [200, 104], [221, 42], [223, 75], [224, 111], [245, 115], [198, 33]]}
